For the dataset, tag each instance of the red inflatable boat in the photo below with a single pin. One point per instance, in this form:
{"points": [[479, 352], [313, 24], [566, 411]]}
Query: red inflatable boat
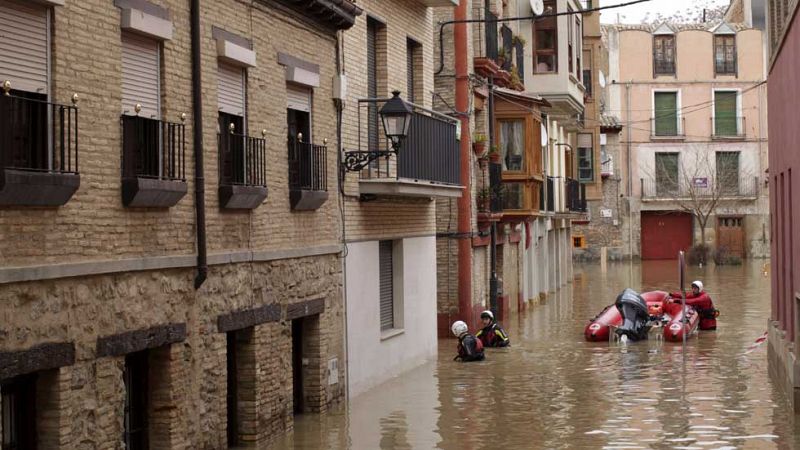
{"points": [[658, 306]]}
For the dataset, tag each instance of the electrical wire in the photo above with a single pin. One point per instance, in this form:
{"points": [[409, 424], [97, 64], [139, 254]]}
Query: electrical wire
{"points": [[518, 19]]}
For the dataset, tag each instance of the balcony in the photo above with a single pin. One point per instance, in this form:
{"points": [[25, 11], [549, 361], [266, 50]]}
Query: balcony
{"points": [[728, 128], [335, 14], [435, 3], [699, 190], [38, 151], [242, 171], [308, 175], [153, 162], [547, 196], [667, 130], [427, 164], [485, 62], [576, 196]]}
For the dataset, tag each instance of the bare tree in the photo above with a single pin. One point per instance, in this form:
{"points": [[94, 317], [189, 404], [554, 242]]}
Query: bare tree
{"points": [[706, 11], [697, 180]]}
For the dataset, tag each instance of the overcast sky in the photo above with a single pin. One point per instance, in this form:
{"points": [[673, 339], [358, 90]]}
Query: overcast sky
{"points": [[635, 13]]}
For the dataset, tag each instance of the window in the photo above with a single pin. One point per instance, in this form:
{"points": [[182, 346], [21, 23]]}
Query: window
{"points": [[513, 196], [728, 172], [570, 42], [508, 47], [512, 145], [587, 72], [664, 55], [725, 54], [305, 158], [665, 113], [667, 173], [136, 398], [375, 30], [726, 122], [585, 158], [231, 94], [579, 241], [413, 67], [18, 413], [578, 48], [545, 45], [386, 270]]}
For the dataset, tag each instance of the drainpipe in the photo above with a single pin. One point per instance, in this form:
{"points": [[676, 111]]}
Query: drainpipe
{"points": [[630, 172], [465, 202], [493, 283], [199, 180]]}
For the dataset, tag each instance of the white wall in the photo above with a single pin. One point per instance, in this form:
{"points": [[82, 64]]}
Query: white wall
{"points": [[372, 357]]}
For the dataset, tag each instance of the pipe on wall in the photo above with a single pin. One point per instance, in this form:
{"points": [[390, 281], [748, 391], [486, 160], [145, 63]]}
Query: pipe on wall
{"points": [[199, 179]]}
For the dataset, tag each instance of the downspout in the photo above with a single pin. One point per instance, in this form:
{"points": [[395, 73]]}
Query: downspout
{"points": [[465, 201], [494, 288], [630, 172], [199, 180]]}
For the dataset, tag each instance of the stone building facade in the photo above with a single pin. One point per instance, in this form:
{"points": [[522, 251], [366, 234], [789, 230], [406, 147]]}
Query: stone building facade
{"points": [[108, 326]]}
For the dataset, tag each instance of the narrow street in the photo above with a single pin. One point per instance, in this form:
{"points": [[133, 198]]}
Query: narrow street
{"points": [[552, 389]]}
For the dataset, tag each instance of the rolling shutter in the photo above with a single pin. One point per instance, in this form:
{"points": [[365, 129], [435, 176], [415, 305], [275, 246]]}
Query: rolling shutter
{"points": [[140, 75], [725, 120], [231, 90], [24, 46], [386, 284], [298, 98], [666, 113]]}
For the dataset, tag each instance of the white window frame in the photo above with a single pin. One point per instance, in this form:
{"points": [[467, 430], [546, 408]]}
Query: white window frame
{"points": [[714, 108], [679, 109]]}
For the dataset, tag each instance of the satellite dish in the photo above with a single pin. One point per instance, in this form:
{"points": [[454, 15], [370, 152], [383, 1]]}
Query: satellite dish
{"points": [[545, 138], [537, 6], [602, 79]]}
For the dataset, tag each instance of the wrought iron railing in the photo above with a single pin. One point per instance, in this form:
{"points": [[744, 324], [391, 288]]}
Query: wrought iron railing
{"points": [[576, 195], [664, 127], [496, 187], [153, 148], [308, 166], [700, 189], [242, 160], [430, 152], [728, 127], [491, 34], [664, 67], [36, 135]]}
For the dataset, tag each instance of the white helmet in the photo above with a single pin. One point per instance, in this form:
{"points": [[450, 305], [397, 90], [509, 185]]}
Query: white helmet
{"points": [[699, 285], [459, 328], [488, 314]]}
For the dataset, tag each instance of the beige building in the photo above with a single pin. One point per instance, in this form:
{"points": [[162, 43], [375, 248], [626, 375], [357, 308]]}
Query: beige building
{"points": [[171, 273], [692, 101]]}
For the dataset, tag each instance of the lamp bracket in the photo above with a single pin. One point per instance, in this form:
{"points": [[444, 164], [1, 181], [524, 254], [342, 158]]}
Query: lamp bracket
{"points": [[356, 160]]}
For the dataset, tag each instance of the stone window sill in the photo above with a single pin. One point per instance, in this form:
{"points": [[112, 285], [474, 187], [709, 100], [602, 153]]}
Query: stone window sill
{"points": [[391, 333]]}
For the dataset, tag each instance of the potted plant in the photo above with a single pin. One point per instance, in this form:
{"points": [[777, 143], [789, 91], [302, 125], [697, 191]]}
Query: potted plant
{"points": [[516, 81], [519, 40], [483, 198], [479, 145], [494, 154], [501, 56]]}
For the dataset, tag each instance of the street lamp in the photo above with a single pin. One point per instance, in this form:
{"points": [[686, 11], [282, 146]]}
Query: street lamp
{"points": [[396, 118]]}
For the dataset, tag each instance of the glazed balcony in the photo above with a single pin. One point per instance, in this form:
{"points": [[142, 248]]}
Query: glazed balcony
{"points": [[38, 151], [153, 162]]}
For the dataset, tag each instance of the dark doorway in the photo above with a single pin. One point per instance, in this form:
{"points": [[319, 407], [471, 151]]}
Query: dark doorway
{"points": [[136, 394], [233, 392], [297, 365], [19, 413]]}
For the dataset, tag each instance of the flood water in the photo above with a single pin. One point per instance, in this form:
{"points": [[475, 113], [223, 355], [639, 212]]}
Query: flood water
{"points": [[553, 390]]}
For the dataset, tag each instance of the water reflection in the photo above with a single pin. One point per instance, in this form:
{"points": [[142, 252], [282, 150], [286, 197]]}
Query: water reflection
{"points": [[553, 390]]}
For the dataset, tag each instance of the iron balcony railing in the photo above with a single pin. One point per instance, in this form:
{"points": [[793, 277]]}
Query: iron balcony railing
{"points": [[667, 127], [576, 195], [242, 160], [308, 166], [550, 195], [153, 148], [496, 187], [430, 153], [36, 135], [700, 189], [728, 127], [491, 33], [664, 67]]}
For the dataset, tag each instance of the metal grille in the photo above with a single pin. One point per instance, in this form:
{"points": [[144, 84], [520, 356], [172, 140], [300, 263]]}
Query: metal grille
{"points": [[308, 166], [386, 284], [153, 149]]}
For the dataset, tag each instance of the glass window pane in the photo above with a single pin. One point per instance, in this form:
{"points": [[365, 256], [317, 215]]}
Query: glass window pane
{"points": [[514, 196], [512, 144]]}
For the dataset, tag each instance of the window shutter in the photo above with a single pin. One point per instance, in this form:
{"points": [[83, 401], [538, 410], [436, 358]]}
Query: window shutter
{"points": [[231, 93], [298, 98], [372, 83], [24, 46], [666, 113], [725, 113], [140, 75], [410, 68], [386, 284]]}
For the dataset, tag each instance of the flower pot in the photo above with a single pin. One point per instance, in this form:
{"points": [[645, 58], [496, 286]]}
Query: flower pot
{"points": [[494, 157], [479, 148]]}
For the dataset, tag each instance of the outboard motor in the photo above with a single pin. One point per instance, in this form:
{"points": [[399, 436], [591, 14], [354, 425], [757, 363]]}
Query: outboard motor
{"points": [[635, 315]]}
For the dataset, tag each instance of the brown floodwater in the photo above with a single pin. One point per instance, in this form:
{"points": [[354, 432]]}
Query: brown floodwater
{"points": [[553, 390]]}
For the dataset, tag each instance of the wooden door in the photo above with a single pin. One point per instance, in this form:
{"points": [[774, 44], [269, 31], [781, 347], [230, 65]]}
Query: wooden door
{"points": [[730, 235]]}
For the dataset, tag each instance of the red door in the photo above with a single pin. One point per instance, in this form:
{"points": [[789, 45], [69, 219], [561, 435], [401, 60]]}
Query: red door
{"points": [[665, 234]]}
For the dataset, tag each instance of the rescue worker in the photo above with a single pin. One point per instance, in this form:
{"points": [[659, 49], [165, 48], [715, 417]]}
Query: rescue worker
{"points": [[470, 348], [702, 303], [492, 334]]}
